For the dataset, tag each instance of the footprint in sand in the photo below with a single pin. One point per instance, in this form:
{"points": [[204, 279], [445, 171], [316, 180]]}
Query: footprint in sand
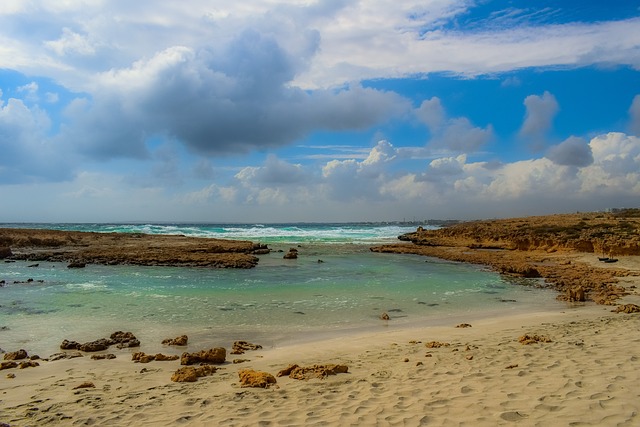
{"points": [[513, 416]]}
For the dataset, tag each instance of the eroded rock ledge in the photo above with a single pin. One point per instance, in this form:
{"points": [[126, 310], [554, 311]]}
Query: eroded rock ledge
{"points": [[539, 247], [126, 248]]}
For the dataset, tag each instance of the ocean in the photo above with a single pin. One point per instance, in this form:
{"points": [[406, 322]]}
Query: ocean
{"points": [[336, 286]]}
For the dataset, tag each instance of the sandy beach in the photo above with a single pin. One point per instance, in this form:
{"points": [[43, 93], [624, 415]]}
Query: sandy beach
{"points": [[586, 375], [578, 366]]}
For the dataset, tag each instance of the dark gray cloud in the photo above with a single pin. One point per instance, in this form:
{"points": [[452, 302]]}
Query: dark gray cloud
{"points": [[571, 152], [220, 101]]}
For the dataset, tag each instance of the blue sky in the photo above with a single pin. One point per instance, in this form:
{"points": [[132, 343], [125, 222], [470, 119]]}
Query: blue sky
{"points": [[341, 110]]}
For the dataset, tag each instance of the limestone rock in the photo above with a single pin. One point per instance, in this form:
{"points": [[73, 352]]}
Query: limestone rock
{"points": [[214, 355], [8, 364], [16, 355], [316, 371], [576, 294], [179, 341], [627, 308], [239, 347], [292, 254], [192, 373], [257, 379]]}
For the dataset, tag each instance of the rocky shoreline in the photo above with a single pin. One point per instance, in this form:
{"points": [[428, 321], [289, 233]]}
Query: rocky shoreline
{"points": [[79, 248], [551, 247]]}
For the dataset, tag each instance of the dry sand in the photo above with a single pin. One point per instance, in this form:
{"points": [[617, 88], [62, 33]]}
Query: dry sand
{"points": [[587, 375]]}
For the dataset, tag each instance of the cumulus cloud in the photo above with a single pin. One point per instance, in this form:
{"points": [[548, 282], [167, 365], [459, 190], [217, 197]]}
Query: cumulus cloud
{"points": [[571, 152], [233, 102], [540, 112], [27, 153], [455, 134]]}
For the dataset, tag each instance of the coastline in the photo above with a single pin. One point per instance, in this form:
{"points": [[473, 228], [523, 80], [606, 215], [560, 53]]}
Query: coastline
{"points": [[586, 374]]}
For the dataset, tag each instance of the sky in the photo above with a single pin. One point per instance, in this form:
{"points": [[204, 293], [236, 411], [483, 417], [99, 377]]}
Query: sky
{"points": [[265, 111]]}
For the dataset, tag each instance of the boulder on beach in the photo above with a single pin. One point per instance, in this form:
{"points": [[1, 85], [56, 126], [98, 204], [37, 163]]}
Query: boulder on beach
{"points": [[256, 379], [292, 254], [215, 355], [192, 373], [16, 355], [316, 371]]}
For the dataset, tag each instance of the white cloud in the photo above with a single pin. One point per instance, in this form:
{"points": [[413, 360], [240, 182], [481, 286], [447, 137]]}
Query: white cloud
{"points": [[456, 134]]}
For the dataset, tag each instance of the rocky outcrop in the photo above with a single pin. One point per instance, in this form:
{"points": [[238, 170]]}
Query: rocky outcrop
{"points": [[531, 247], [215, 355], [78, 248], [602, 233], [627, 308]]}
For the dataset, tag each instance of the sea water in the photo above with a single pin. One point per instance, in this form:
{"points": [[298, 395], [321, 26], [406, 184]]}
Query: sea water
{"points": [[336, 286]]}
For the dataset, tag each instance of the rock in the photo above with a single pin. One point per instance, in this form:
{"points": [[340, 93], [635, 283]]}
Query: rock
{"points": [[5, 252], [97, 345], [318, 371], [28, 364], [292, 254], [124, 340], [576, 294], [146, 358], [191, 373], [16, 355], [532, 339], [70, 345], [627, 308], [384, 316], [70, 355], [76, 264], [315, 371], [9, 364], [436, 344], [239, 347], [165, 358], [107, 356], [463, 325], [10, 376], [214, 355], [33, 266], [180, 341], [257, 379]]}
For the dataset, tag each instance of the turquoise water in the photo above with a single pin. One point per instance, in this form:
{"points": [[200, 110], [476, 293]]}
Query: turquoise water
{"points": [[278, 301]]}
